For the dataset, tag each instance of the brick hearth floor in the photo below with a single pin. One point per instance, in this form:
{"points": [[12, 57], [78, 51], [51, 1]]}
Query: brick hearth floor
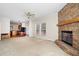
{"points": [[25, 46]]}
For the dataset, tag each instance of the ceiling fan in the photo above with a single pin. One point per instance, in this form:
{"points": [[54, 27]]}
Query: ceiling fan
{"points": [[29, 15]]}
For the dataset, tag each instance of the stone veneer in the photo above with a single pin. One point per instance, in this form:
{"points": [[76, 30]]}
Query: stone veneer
{"points": [[69, 12]]}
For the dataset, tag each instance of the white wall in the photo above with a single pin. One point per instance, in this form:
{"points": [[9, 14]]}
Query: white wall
{"points": [[5, 25], [0, 30], [51, 28]]}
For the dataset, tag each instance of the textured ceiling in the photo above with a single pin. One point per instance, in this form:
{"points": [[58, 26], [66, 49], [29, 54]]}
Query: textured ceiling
{"points": [[15, 11]]}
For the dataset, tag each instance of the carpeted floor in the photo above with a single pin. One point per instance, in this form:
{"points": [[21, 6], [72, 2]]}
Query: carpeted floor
{"points": [[25, 46]]}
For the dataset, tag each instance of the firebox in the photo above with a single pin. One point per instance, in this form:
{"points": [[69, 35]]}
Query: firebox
{"points": [[67, 37]]}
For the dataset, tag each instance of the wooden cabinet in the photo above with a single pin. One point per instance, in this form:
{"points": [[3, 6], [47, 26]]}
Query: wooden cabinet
{"points": [[14, 33]]}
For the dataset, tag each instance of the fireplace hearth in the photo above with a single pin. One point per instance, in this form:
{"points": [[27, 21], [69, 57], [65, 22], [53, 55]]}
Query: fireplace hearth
{"points": [[67, 37]]}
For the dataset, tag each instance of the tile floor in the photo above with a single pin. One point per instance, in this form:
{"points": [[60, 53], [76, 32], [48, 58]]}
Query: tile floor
{"points": [[25, 46]]}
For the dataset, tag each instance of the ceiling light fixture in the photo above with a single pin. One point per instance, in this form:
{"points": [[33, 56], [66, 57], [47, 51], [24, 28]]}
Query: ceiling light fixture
{"points": [[29, 15]]}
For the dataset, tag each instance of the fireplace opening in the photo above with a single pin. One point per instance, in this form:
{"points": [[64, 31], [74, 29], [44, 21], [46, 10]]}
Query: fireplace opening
{"points": [[67, 37]]}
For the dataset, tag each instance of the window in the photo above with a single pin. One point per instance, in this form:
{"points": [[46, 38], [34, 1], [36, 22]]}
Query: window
{"points": [[43, 28], [37, 29]]}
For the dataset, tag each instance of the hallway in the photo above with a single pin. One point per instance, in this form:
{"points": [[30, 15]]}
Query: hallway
{"points": [[25, 46]]}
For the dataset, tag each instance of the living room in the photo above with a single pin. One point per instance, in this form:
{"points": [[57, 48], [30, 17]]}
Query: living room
{"points": [[39, 29]]}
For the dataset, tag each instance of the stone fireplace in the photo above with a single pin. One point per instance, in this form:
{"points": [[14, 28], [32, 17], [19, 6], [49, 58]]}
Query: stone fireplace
{"points": [[68, 26]]}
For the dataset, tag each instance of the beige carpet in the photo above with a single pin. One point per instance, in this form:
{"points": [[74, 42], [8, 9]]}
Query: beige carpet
{"points": [[25, 46]]}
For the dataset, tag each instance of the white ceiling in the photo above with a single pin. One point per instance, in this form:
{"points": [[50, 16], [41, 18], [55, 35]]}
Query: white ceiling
{"points": [[15, 11]]}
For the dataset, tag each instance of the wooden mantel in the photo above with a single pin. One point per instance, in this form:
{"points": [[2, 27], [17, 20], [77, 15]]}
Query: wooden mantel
{"points": [[65, 22]]}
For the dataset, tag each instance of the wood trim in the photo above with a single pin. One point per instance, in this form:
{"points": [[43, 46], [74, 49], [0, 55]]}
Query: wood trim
{"points": [[65, 22]]}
